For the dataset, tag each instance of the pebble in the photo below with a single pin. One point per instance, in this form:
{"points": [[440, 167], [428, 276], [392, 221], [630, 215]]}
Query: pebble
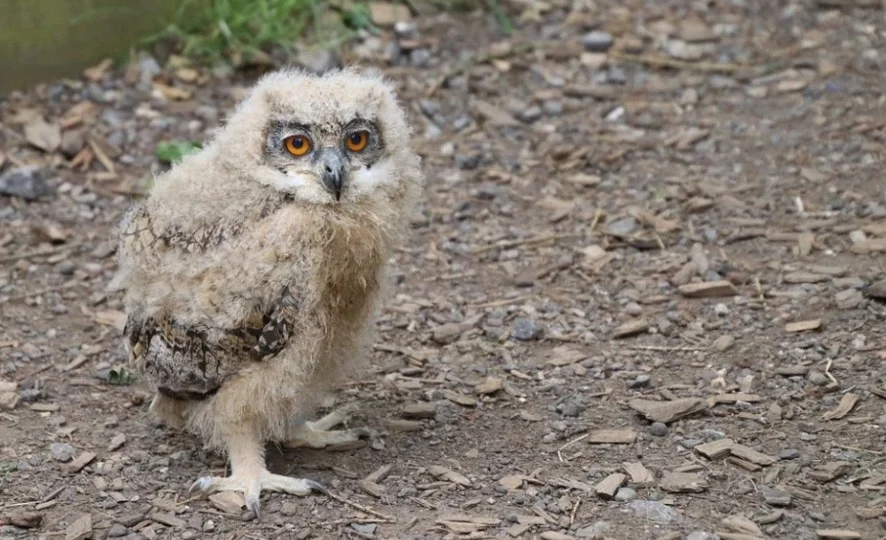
{"points": [[597, 41], [571, 407], [623, 226], [117, 530], [817, 378], [775, 497], [25, 183], [317, 61], [721, 309], [420, 58], [365, 528], [654, 511], [642, 381], [658, 429], [530, 115], [61, 451], [789, 453], [526, 330], [701, 535], [625, 494]]}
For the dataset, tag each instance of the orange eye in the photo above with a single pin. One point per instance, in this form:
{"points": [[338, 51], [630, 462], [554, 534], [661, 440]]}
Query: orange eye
{"points": [[356, 141], [297, 145]]}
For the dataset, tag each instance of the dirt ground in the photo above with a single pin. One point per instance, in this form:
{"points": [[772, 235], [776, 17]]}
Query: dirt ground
{"points": [[670, 211]]}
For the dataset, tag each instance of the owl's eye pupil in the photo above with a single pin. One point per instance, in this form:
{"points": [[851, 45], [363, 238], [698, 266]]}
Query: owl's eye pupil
{"points": [[298, 142], [356, 138]]}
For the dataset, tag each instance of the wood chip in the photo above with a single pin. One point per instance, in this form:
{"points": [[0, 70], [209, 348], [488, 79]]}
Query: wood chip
{"points": [[512, 481], [460, 399], [847, 402], [715, 449], [743, 464], [419, 411], [82, 460], [803, 326], [612, 436], [838, 534], [118, 441], [639, 474], [169, 520], [44, 135], [631, 328], [741, 524], [680, 482], [81, 529], [449, 475], [228, 502], [668, 411], [490, 385], [609, 485], [708, 289], [749, 454]]}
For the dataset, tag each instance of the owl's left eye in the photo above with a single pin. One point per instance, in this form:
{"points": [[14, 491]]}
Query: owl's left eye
{"points": [[357, 141], [297, 145]]}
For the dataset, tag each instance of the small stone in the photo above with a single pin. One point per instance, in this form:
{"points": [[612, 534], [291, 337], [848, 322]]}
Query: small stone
{"points": [[61, 451], [420, 57], [654, 511], [317, 61], [597, 41], [526, 330], [25, 183], [658, 429], [789, 453], [721, 310], [623, 226], [117, 530], [642, 381], [571, 408], [530, 115], [775, 497], [817, 378], [625, 494], [365, 528], [701, 535]]}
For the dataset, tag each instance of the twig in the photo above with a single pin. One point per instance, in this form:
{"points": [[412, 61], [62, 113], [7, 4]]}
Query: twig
{"points": [[40, 252], [570, 443], [574, 510], [660, 61], [526, 241], [503, 302], [360, 507], [827, 371], [16, 505], [662, 348]]}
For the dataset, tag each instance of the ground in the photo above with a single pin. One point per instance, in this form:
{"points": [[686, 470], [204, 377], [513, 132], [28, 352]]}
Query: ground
{"points": [[634, 211]]}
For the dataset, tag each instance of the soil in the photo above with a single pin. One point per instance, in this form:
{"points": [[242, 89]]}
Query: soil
{"points": [[643, 298]]}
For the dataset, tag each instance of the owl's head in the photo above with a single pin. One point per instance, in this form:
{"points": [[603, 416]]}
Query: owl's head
{"points": [[323, 139]]}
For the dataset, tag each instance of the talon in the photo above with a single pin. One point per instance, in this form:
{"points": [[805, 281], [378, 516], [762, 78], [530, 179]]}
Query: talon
{"points": [[201, 485], [317, 486], [254, 505]]}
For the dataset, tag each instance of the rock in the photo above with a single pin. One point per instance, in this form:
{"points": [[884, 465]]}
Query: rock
{"points": [[597, 41], [658, 429], [642, 381], [61, 451], [526, 330], [25, 183], [593, 531], [817, 378], [571, 408], [420, 57], [654, 511], [386, 14], [789, 453], [775, 497], [625, 494], [317, 61], [680, 482], [530, 115], [117, 530], [365, 528], [701, 535], [622, 227]]}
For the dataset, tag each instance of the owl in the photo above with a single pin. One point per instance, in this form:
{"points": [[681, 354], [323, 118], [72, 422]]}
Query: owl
{"points": [[251, 274]]}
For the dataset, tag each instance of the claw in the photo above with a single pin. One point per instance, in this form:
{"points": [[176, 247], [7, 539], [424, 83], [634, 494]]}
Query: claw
{"points": [[254, 505], [317, 486], [201, 485]]}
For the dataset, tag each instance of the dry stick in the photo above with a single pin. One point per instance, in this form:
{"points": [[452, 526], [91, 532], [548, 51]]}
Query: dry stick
{"points": [[360, 507], [534, 240], [40, 253], [659, 61]]}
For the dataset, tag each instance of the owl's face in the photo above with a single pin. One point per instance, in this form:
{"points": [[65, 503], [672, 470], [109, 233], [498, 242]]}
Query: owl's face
{"points": [[336, 158], [334, 139]]}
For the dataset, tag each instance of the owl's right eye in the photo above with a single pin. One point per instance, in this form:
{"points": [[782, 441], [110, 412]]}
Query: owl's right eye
{"points": [[297, 145]]}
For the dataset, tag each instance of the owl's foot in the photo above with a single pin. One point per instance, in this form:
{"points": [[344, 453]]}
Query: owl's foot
{"points": [[319, 434], [251, 485]]}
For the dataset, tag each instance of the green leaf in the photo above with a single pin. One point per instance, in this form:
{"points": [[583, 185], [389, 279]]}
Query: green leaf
{"points": [[120, 377], [173, 151]]}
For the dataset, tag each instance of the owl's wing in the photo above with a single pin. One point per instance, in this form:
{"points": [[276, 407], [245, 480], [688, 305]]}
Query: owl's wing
{"points": [[192, 361]]}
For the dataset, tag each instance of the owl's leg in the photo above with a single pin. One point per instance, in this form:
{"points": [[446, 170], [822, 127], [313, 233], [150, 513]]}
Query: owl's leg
{"points": [[319, 434], [249, 474]]}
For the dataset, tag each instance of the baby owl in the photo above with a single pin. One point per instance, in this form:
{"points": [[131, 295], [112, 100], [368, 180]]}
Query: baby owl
{"points": [[252, 272]]}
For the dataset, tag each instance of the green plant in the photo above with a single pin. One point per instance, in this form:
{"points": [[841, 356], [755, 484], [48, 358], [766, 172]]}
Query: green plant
{"points": [[173, 151]]}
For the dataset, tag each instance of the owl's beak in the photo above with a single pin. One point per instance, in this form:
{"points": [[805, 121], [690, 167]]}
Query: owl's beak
{"points": [[333, 173]]}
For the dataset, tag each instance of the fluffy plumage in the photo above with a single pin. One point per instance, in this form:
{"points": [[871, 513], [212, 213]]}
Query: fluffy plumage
{"points": [[251, 274]]}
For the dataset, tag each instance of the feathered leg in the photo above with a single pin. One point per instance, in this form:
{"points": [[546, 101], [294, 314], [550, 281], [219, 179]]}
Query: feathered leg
{"points": [[249, 473], [319, 434]]}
